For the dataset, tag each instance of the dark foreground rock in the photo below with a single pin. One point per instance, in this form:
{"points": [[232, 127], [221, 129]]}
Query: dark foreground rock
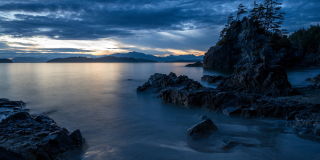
{"points": [[315, 79], [212, 79], [34, 137], [197, 64], [203, 129], [253, 91]]}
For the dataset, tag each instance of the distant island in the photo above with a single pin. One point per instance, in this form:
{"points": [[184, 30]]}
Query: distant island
{"points": [[97, 60], [169, 58], [30, 60], [3, 60], [182, 61]]}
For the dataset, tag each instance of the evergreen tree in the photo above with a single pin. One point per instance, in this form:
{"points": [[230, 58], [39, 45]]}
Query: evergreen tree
{"points": [[307, 40], [230, 19], [241, 10], [254, 12], [272, 8]]}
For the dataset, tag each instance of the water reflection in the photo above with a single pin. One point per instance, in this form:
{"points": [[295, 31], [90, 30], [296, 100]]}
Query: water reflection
{"points": [[119, 123]]}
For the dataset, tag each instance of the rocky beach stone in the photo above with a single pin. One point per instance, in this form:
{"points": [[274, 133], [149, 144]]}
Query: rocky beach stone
{"points": [[203, 129], [34, 137], [197, 64]]}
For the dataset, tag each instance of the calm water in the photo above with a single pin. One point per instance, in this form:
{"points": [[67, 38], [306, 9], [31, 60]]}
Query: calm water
{"points": [[119, 123]]}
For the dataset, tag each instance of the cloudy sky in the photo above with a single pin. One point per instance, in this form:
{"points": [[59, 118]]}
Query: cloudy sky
{"points": [[46, 28]]}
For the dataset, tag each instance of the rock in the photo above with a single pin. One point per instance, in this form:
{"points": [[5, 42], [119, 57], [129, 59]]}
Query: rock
{"points": [[6, 154], [231, 111], [203, 129], [253, 91], [260, 78], [33, 137], [197, 64], [226, 144], [211, 79], [201, 117], [316, 79]]}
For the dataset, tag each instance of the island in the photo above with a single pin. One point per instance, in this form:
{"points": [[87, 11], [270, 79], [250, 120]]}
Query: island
{"points": [[3, 60], [106, 59]]}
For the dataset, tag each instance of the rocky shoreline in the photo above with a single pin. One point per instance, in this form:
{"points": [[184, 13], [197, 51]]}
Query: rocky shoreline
{"points": [[34, 137], [259, 90]]}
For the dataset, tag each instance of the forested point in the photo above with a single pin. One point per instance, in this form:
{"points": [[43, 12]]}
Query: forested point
{"points": [[268, 19]]}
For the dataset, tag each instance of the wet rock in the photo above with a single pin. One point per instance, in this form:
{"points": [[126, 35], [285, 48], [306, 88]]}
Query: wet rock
{"points": [[253, 91], [226, 144], [203, 130], [261, 78], [197, 64], [231, 111], [211, 79], [315, 79], [33, 137]]}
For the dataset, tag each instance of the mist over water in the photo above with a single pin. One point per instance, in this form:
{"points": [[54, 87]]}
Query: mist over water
{"points": [[101, 100]]}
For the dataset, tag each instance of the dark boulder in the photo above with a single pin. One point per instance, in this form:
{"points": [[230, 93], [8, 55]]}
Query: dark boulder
{"points": [[211, 79], [158, 82], [34, 137], [203, 130]]}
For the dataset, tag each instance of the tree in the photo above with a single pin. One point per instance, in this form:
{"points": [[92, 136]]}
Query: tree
{"points": [[241, 10], [254, 12], [230, 19], [272, 8]]}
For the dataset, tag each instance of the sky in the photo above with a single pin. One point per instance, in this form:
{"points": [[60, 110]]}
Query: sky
{"points": [[58, 28]]}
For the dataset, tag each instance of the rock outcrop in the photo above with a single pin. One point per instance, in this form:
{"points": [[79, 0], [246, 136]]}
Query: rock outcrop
{"points": [[253, 91], [246, 43], [203, 129], [260, 78], [197, 64], [34, 137]]}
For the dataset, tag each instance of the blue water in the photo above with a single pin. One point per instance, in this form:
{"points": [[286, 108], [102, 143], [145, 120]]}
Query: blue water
{"points": [[119, 123]]}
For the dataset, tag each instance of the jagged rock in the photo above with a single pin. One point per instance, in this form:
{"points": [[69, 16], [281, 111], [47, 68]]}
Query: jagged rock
{"points": [[34, 137], [315, 79], [246, 43], [203, 129], [260, 78], [159, 81], [197, 64], [211, 79]]}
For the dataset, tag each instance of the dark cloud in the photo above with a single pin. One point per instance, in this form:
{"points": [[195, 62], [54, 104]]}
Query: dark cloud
{"points": [[89, 20], [137, 22]]}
